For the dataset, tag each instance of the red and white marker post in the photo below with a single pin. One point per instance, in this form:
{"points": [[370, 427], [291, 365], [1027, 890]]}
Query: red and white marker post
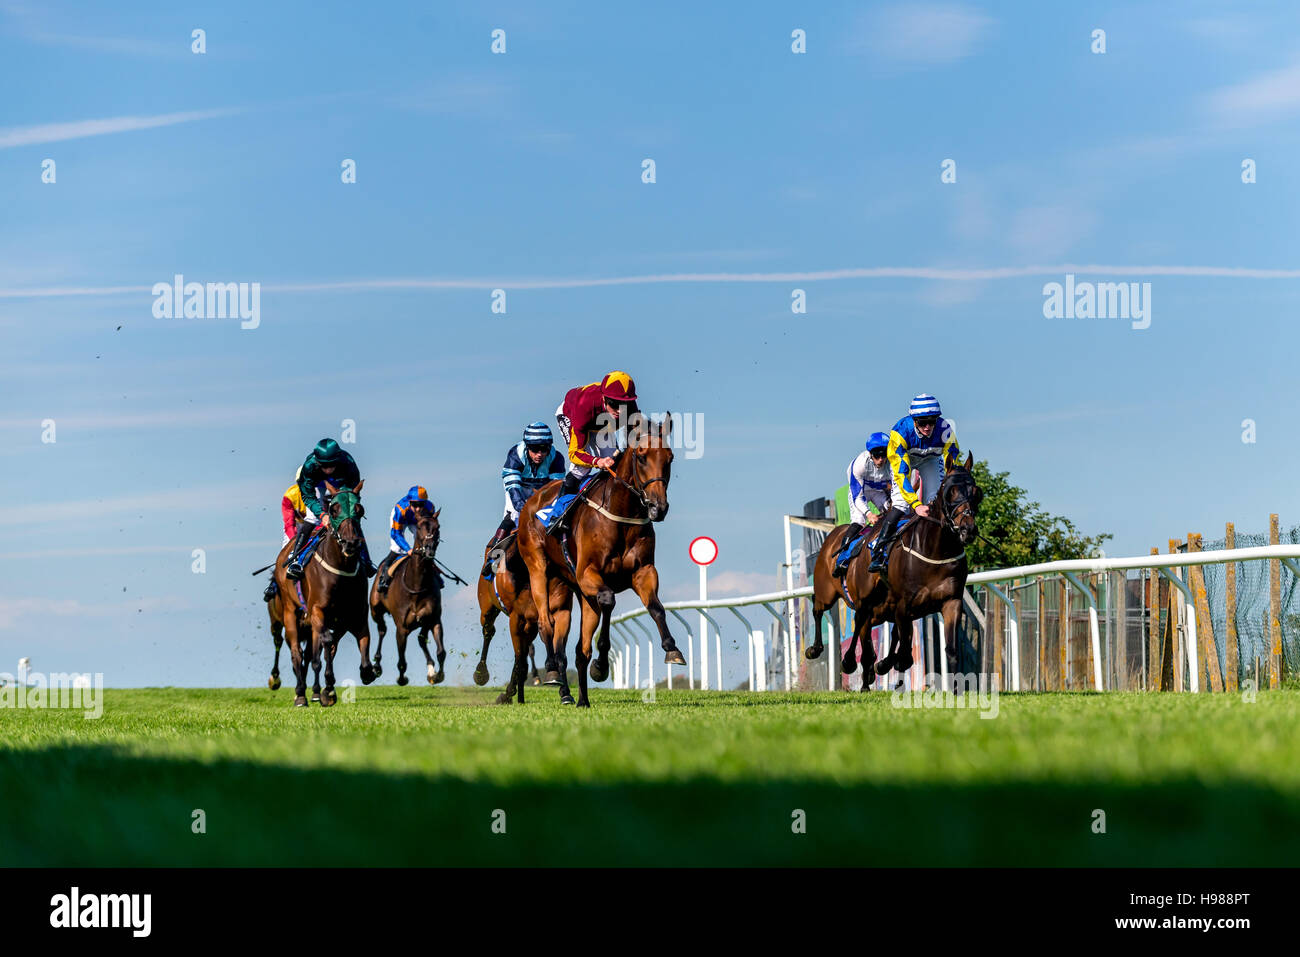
{"points": [[704, 552]]}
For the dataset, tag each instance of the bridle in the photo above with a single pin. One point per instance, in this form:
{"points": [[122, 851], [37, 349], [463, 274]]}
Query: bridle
{"points": [[637, 490]]}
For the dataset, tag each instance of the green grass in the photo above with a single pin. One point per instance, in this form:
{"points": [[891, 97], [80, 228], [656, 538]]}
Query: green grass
{"points": [[413, 776]]}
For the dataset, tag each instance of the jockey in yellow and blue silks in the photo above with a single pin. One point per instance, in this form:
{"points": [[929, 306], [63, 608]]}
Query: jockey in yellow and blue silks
{"points": [[922, 443], [326, 466], [408, 506]]}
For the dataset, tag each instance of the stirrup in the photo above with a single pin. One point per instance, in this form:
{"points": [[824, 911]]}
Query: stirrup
{"points": [[293, 570]]}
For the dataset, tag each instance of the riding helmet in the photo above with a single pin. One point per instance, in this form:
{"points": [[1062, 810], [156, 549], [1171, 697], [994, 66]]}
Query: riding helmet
{"points": [[326, 451], [618, 387], [925, 404], [539, 433], [878, 440]]}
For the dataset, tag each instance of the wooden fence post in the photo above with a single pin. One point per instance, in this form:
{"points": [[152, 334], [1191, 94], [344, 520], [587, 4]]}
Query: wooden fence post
{"points": [[1274, 609], [1232, 680], [1209, 652], [1175, 620]]}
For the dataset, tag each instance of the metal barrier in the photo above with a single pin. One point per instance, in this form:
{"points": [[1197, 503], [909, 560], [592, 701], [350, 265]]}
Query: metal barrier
{"points": [[1167, 566]]}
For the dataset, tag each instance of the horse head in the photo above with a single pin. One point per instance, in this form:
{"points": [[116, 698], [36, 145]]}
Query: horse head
{"points": [[647, 464], [345, 514], [427, 533], [959, 499]]}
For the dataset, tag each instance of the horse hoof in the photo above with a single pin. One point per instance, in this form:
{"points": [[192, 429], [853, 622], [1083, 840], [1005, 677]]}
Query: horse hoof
{"points": [[368, 676], [403, 680], [378, 670], [812, 652], [273, 683], [584, 704], [883, 666], [849, 664], [567, 699], [315, 696], [327, 700], [300, 702], [481, 674], [674, 657], [439, 678], [552, 678], [598, 672], [503, 698]]}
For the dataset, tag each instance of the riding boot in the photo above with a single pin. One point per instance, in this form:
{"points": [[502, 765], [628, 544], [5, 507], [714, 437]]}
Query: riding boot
{"points": [[271, 590], [842, 565], [367, 566], [570, 486], [384, 578], [884, 539], [293, 568]]}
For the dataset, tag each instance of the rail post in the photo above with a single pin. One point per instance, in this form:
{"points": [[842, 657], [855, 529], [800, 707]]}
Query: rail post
{"points": [[1013, 624], [1093, 629]]}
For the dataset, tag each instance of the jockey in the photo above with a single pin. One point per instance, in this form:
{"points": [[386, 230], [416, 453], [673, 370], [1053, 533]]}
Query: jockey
{"points": [[291, 511], [327, 463], [592, 418], [529, 465], [408, 506], [870, 483], [923, 441]]}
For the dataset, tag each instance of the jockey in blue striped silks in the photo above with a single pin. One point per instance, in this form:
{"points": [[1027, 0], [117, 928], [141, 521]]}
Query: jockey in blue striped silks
{"points": [[921, 442], [529, 465]]}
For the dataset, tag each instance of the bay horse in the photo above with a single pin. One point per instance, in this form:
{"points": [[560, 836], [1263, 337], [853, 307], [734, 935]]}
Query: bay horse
{"points": [[860, 589], [334, 597], [510, 592], [414, 600], [275, 609], [614, 549], [927, 570]]}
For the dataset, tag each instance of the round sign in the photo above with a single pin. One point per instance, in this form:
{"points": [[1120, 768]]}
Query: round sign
{"points": [[704, 550]]}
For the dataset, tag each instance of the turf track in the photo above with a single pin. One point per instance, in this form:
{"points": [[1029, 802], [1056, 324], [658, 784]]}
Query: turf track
{"points": [[412, 776]]}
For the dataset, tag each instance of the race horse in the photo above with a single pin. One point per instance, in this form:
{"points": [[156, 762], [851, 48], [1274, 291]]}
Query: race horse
{"points": [[275, 609], [859, 588], [414, 600], [611, 527], [509, 591], [926, 574], [333, 598]]}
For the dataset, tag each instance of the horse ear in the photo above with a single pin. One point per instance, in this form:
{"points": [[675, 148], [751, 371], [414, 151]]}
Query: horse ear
{"points": [[667, 428], [970, 461], [357, 490], [437, 512]]}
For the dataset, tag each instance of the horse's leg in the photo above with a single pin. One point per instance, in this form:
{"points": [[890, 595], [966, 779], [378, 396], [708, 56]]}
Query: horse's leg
{"points": [[296, 658], [600, 605], [430, 672], [645, 582], [862, 623], [561, 619], [590, 619], [327, 695], [532, 664], [441, 675], [951, 618], [277, 635], [362, 633], [486, 620], [900, 647], [319, 637], [516, 668], [849, 662], [381, 629], [401, 652], [600, 667], [540, 584]]}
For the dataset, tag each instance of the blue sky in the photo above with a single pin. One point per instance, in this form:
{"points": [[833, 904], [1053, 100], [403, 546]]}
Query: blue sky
{"points": [[523, 171]]}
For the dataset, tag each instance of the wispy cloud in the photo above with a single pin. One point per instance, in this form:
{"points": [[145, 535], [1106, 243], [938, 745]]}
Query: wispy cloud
{"points": [[922, 33], [973, 274], [58, 132], [1263, 96]]}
